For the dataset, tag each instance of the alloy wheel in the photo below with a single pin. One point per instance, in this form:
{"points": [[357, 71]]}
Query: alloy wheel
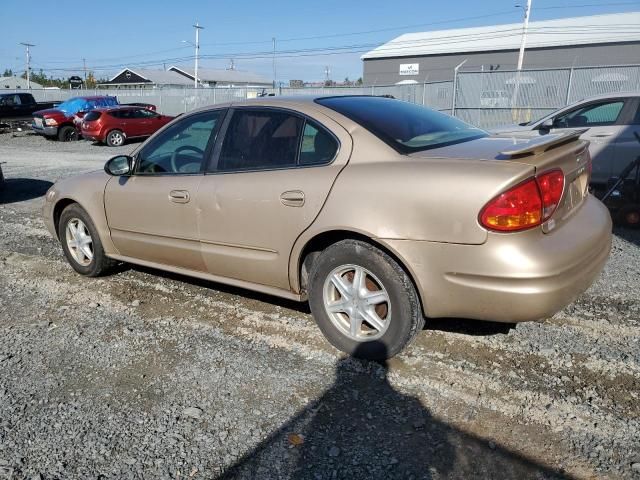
{"points": [[116, 139], [357, 303], [79, 241]]}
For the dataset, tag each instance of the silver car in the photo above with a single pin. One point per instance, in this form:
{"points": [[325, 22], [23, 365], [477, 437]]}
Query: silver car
{"points": [[611, 121]]}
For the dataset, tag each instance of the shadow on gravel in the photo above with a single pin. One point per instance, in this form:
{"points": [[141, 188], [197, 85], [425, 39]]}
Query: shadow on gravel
{"points": [[628, 234], [362, 428], [21, 189], [219, 287], [468, 326]]}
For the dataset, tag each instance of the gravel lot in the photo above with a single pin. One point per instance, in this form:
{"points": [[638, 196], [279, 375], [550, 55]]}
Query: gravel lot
{"points": [[144, 374]]}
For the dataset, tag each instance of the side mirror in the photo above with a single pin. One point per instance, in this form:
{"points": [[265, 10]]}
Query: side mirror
{"points": [[120, 165], [547, 124]]}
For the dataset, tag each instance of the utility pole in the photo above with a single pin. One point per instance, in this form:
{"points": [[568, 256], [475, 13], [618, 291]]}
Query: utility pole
{"points": [[195, 76], [84, 67], [28, 45], [327, 72], [273, 39], [525, 26], [523, 44]]}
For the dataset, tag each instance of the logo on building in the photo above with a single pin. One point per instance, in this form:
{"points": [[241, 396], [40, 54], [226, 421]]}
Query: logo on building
{"points": [[409, 69]]}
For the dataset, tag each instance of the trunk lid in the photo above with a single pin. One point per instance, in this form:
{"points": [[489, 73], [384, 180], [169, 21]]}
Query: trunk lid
{"points": [[555, 150]]}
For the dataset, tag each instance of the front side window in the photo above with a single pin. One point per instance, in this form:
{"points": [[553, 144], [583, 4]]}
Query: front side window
{"points": [[143, 113], [404, 126], [181, 148], [605, 113], [260, 139]]}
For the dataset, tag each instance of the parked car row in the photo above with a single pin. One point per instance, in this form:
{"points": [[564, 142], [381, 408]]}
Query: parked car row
{"points": [[98, 118]]}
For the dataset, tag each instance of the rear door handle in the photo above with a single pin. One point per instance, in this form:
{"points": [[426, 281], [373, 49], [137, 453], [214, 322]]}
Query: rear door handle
{"points": [[179, 196], [292, 198]]}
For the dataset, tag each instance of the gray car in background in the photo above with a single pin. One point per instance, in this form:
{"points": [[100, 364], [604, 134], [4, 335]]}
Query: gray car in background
{"points": [[611, 121]]}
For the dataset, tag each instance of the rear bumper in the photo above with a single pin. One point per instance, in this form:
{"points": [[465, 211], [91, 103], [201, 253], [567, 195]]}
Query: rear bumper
{"points": [[93, 136], [511, 277]]}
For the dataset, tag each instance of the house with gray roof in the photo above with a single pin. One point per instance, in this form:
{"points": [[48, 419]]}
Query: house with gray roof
{"points": [[217, 77]]}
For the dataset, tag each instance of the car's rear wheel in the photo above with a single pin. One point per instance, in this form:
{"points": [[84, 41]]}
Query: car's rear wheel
{"points": [[115, 138], [629, 216], [67, 134], [363, 301], [81, 243]]}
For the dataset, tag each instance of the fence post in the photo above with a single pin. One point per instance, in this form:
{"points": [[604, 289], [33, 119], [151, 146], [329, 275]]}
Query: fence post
{"points": [[566, 100], [455, 86]]}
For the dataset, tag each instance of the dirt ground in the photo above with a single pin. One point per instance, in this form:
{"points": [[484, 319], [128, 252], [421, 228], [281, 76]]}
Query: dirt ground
{"points": [[144, 374]]}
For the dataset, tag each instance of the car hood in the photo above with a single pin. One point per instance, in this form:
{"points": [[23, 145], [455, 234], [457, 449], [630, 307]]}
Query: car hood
{"points": [[50, 112]]}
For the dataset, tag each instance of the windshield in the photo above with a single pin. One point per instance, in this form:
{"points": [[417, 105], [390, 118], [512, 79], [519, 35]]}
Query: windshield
{"points": [[404, 126]]}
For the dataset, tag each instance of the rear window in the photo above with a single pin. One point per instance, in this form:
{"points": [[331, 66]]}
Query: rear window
{"points": [[92, 116], [404, 126]]}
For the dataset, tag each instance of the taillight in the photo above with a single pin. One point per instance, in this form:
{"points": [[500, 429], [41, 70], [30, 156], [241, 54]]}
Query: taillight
{"points": [[551, 185], [526, 205]]}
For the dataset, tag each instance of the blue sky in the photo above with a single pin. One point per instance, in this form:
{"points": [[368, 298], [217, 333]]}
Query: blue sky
{"points": [[117, 33]]}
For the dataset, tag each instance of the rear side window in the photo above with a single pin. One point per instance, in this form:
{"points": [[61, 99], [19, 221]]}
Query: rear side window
{"points": [[404, 126], [318, 146], [92, 116], [260, 139]]}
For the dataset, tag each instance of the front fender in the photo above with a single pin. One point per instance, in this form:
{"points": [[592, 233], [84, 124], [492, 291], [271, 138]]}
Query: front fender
{"points": [[87, 191]]}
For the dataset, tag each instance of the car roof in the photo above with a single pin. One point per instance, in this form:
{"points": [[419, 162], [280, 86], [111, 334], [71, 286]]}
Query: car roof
{"points": [[605, 96]]}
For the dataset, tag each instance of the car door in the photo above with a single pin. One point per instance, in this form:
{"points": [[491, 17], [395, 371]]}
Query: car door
{"points": [[152, 214], [149, 121], [601, 118], [273, 171], [628, 140]]}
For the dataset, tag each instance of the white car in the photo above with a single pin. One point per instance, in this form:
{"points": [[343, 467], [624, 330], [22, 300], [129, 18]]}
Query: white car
{"points": [[611, 121]]}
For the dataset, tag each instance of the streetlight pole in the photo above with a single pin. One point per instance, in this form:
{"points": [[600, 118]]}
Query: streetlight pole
{"points": [[273, 39], [195, 76], [525, 26], [28, 45]]}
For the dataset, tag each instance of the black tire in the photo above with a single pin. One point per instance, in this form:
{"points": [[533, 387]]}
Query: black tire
{"points": [[407, 318], [100, 263], [115, 138], [67, 134], [629, 216]]}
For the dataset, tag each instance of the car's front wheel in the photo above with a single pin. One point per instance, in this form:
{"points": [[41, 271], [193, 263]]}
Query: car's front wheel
{"points": [[67, 134], [81, 243], [363, 301]]}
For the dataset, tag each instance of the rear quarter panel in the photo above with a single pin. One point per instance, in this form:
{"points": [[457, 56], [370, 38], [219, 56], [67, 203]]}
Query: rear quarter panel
{"points": [[384, 195]]}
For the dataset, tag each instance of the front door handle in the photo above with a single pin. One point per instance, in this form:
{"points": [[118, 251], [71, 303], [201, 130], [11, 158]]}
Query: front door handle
{"points": [[179, 196], [603, 135], [292, 198]]}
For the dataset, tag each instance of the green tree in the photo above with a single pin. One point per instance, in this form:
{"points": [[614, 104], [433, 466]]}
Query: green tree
{"points": [[7, 72]]}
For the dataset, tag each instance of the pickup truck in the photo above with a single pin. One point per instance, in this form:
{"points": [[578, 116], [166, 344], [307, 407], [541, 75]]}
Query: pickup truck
{"points": [[19, 106], [62, 122]]}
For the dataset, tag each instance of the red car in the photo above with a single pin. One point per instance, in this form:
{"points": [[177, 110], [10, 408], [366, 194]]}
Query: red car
{"points": [[58, 122], [114, 125]]}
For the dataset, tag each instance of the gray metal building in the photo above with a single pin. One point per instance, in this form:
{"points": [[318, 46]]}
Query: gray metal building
{"points": [[596, 40]]}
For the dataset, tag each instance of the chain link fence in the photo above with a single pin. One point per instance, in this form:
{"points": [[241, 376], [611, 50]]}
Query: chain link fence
{"points": [[485, 99]]}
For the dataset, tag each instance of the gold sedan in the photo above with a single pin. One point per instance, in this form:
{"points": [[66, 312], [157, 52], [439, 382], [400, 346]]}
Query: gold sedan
{"points": [[377, 211]]}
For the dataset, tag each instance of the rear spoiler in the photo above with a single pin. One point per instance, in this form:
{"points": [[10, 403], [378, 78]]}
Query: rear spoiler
{"points": [[525, 146]]}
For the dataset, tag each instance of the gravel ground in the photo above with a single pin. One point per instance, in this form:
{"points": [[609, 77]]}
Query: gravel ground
{"points": [[144, 374]]}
